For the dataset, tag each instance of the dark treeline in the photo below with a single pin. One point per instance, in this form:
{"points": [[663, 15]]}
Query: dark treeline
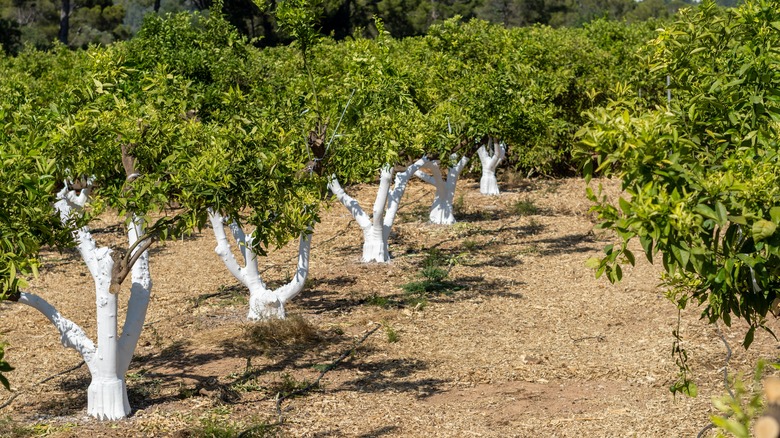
{"points": [[78, 23]]}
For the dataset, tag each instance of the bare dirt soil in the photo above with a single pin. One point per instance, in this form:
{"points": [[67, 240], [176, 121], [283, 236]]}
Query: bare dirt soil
{"points": [[529, 344]]}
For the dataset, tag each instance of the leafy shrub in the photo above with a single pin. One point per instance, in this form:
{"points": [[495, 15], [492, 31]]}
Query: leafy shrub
{"points": [[700, 175]]}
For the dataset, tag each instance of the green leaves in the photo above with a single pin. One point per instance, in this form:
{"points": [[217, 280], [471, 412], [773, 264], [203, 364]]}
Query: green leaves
{"points": [[700, 173], [763, 229], [299, 19]]}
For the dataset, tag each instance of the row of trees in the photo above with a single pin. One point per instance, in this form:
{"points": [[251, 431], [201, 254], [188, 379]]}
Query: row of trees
{"points": [[78, 23], [188, 124]]}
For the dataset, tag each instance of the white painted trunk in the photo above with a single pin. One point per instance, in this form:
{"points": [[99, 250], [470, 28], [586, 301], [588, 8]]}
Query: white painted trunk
{"points": [[264, 303], [107, 394], [441, 209], [441, 212], [137, 303], [109, 361], [375, 246], [376, 230], [488, 184], [107, 398]]}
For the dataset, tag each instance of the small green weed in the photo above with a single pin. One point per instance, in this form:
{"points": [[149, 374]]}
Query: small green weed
{"points": [[534, 226], [525, 207], [141, 387], [532, 249], [216, 426], [9, 427], [419, 213], [288, 385], [418, 301], [392, 335], [470, 245], [376, 300], [321, 367], [434, 280]]}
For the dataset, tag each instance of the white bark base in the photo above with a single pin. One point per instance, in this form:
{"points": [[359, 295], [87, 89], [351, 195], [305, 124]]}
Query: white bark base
{"points": [[488, 184], [264, 305], [441, 214], [375, 248], [107, 399]]}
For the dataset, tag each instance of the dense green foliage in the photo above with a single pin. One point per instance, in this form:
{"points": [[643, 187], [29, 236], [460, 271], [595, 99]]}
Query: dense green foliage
{"points": [[27, 188], [190, 91], [700, 172], [39, 23]]}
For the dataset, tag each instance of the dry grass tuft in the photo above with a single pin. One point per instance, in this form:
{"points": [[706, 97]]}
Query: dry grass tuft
{"points": [[275, 333]]}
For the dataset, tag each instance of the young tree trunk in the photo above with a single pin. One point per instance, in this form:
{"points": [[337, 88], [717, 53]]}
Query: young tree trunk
{"points": [[263, 302], [488, 184], [442, 207], [109, 361], [64, 22], [376, 229]]}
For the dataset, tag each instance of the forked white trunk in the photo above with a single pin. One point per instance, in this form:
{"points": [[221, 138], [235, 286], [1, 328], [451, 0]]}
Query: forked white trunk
{"points": [[376, 229], [375, 245], [264, 303], [442, 207], [488, 184], [109, 361]]}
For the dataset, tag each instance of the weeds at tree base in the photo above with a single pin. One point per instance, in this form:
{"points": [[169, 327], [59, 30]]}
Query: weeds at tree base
{"points": [[470, 245], [275, 333]]}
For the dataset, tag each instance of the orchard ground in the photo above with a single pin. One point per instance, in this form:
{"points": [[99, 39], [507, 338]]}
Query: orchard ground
{"points": [[530, 345]]}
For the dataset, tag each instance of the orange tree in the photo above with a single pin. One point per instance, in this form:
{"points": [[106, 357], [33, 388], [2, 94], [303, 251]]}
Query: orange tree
{"points": [[700, 173]]}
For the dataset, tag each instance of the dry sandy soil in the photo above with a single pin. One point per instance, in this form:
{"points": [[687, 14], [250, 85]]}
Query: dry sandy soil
{"points": [[531, 345]]}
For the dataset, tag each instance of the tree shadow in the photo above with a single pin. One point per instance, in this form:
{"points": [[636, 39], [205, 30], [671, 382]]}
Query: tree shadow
{"points": [[71, 396], [499, 261], [391, 375], [478, 287], [234, 292], [118, 230], [323, 296], [385, 430], [570, 243]]}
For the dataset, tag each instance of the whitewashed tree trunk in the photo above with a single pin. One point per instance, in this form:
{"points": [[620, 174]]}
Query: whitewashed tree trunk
{"points": [[109, 361], [442, 207], [488, 184], [263, 302], [376, 229]]}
